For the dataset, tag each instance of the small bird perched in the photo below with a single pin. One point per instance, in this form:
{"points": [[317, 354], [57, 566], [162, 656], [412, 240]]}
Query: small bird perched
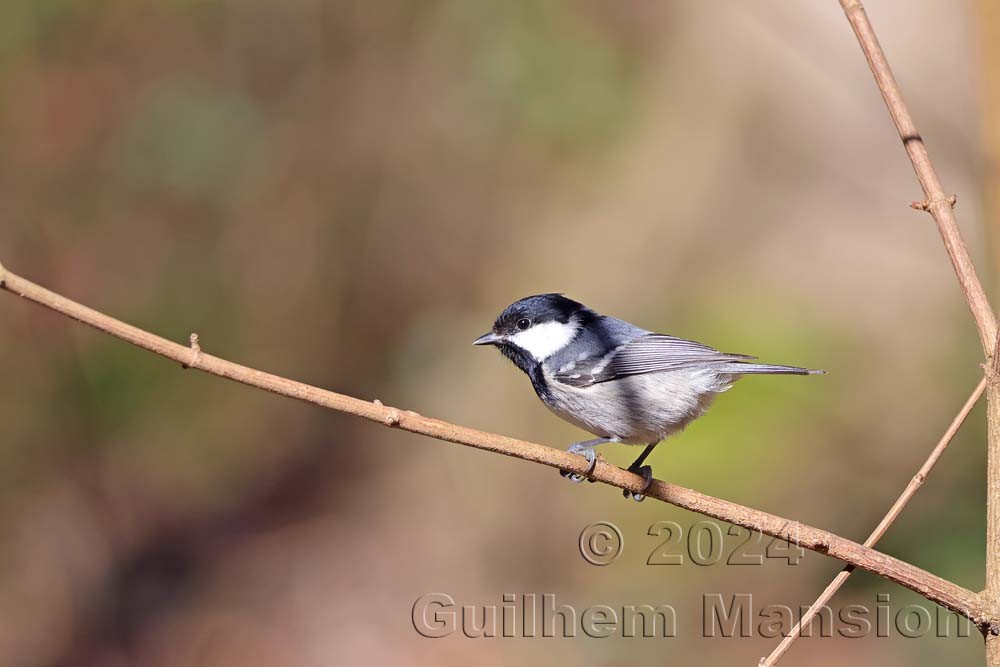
{"points": [[611, 378]]}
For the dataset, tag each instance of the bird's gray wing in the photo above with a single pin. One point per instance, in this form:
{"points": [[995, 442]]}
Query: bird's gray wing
{"points": [[651, 353]]}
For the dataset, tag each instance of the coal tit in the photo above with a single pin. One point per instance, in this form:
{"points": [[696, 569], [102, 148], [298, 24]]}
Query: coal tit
{"points": [[611, 378]]}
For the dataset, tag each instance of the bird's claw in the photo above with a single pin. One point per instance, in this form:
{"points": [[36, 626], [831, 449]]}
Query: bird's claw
{"points": [[587, 453], [647, 474]]}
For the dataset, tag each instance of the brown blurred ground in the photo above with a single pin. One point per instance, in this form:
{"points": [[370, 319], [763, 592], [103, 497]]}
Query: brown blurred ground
{"points": [[346, 194]]}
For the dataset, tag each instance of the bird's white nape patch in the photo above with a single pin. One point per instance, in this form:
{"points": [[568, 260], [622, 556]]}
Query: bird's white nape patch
{"points": [[543, 340]]}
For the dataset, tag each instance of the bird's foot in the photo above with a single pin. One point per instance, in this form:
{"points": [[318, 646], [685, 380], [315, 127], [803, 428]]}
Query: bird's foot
{"points": [[647, 474], [588, 453]]}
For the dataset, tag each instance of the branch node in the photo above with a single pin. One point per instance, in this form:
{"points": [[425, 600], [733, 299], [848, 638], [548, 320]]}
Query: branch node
{"points": [[393, 418], [927, 204], [378, 403], [993, 370], [821, 544], [195, 352]]}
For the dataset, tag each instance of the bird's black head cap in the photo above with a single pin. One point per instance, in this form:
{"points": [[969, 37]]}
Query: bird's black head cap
{"points": [[538, 309]]}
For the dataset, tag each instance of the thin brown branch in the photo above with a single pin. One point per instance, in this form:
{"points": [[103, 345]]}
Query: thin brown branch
{"points": [[938, 203], [934, 588], [887, 520], [941, 207], [991, 592]]}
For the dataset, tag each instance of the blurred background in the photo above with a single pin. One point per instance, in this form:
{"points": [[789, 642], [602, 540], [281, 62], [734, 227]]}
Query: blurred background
{"points": [[347, 193]]}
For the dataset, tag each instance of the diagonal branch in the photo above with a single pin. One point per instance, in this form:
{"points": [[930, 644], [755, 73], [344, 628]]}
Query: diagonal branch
{"points": [[887, 520], [938, 203], [945, 593]]}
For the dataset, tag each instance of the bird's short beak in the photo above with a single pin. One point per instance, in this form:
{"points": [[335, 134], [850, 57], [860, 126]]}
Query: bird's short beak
{"points": [[487, 339]]}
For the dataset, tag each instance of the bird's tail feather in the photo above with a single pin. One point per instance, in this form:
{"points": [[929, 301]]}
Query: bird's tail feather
{"points": [[746, 369]]}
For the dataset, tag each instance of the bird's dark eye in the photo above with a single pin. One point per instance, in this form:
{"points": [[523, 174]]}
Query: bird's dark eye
{"points": [[523, 323]]}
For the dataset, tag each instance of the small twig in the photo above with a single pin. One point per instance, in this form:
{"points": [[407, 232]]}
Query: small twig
{"points": [[948, 594], [195, 352], [939, 204], [926, 204], [887, 520]]}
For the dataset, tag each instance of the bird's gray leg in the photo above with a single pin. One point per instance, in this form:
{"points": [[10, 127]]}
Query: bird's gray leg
{"points": [[645, 471], [586, 450]]}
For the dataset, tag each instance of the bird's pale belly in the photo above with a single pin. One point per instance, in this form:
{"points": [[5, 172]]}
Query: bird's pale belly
{"points": [[639, 409]]}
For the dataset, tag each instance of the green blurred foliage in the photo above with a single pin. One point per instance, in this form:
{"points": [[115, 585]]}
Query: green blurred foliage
{"points": [[552, 70], [186, 140]]}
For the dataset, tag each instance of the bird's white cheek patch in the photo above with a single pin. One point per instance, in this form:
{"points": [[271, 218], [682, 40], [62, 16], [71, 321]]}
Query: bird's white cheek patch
{"points": [[543, 340]]}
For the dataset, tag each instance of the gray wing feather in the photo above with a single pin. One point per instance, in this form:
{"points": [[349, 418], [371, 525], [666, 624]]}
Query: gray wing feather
{"points": [[651, 353]]}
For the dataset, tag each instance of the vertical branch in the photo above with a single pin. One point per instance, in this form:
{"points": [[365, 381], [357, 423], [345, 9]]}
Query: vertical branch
{"points": [[989, 34], [938, 203], [992, 588]]}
